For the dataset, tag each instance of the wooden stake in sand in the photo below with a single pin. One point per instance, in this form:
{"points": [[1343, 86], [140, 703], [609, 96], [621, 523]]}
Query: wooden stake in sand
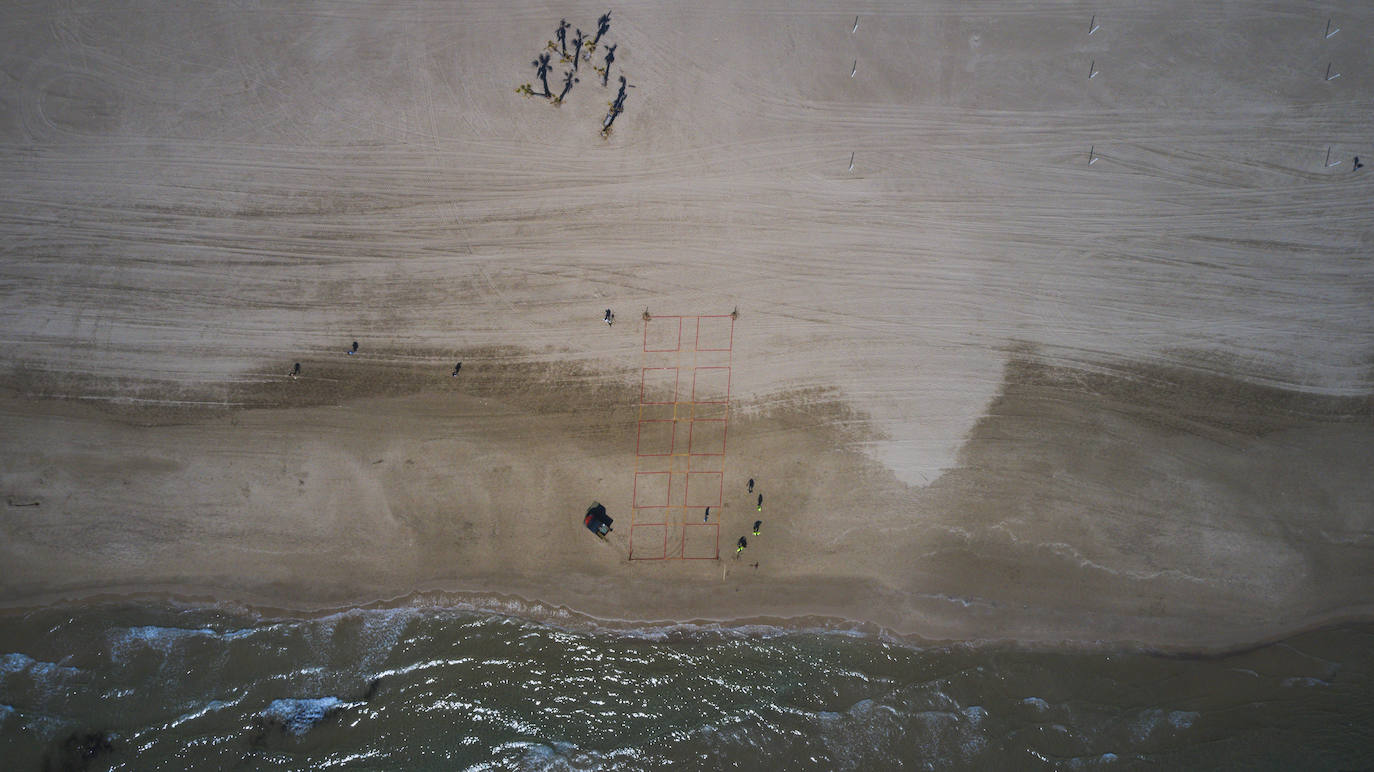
{"points": [[1329, 76], [1092, 70], [856, 68], [1093, 26], [851, 162], [1329, 31], [856, 26]]}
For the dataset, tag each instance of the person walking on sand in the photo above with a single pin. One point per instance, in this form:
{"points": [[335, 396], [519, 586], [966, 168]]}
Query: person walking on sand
{"points": [[354, 350], [740, 545], [707, 519], [1356, 166], [456, 368], [757, 525], [751, 485], [760, 502], [296, 370], [609, 318]]}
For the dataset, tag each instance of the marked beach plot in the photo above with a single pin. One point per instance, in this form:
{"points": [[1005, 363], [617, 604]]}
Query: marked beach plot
{"points": [[681, 436]]}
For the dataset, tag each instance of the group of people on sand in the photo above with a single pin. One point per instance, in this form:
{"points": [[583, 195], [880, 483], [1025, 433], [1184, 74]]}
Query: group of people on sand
{"points": [[609, 319], [575, 51], [296, 369], [743, 543]]}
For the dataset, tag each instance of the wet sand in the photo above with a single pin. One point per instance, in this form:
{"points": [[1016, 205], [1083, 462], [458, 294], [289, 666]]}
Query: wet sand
{"points": [[990, 391]]}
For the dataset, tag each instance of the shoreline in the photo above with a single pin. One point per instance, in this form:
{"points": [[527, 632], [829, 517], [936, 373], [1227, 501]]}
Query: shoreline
{"points": [[1018, 355], [567, 618]]}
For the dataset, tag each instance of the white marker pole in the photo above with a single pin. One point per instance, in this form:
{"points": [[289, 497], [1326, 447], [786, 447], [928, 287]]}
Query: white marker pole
{"points": [[1329, 31], [856, 69], [856, 26], [1092, 156], [851, 162], [1093, 26], [1328, 158], [1092, 70], [1329, 76]]}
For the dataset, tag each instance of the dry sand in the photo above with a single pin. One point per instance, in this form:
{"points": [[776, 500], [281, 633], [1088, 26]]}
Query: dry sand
{"points": [[990, 390]]}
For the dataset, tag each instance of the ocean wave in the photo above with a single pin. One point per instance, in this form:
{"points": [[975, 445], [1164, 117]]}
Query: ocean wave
{"points": [[11, 664], [382, 623], [350, 759], [210, 707], [1090, 762], [1151, 720], [47, 679], [560, 618], [1304, 681], [298, 716], [127, 642], [485, 690]]}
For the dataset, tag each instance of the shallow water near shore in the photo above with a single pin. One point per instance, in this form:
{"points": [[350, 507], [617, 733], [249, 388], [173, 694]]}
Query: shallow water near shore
{"points": [[143, 686]]}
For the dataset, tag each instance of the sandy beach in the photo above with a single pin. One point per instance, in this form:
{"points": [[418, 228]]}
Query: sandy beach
{"points": [[1081, 349]]}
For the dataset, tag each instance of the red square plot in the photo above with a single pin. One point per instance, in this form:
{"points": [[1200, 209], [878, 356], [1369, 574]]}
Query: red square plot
{"points": [[711, 384], [701, 541], [715, 333], [663, 333], [706, 438], [704, 489], [658, 386], [655, 438], [651, 489], [648, 542]]}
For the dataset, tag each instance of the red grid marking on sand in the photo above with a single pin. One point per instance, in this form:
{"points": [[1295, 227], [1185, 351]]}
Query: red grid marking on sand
{"points": [[648, 542], [684, 492], [658, 377], [663, 329], [648, 485], [709, 490], [719, 330], [700, 541], [709, 440], [707, 382], [656, 430]]}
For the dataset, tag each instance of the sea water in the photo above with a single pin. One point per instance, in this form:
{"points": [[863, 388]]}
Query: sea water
{"points": [[146, 687]]}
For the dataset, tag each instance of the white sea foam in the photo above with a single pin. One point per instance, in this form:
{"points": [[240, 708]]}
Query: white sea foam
{"points": [[426, 665], [299, 715], [162, 639], [1304, 682], [350, 758], [1182, 719], [46, 676], [209, 707], [1145, 724], [19, 663], [1149, 721]]}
